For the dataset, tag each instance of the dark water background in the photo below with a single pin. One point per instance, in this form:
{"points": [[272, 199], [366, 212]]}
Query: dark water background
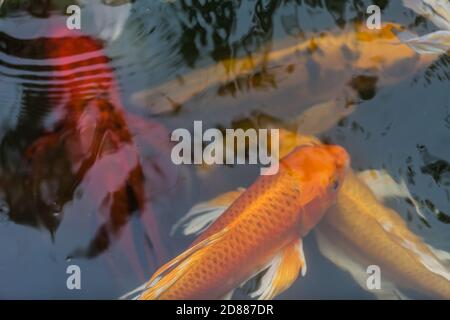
{"points": [[403, 128]]}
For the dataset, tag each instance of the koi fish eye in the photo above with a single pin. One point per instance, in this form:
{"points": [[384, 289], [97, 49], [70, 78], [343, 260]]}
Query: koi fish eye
{"points": [[335, 184]]}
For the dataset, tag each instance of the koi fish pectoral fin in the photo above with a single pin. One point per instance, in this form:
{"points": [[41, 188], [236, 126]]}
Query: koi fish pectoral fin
{"points": [[202, 215], [281, 272]]}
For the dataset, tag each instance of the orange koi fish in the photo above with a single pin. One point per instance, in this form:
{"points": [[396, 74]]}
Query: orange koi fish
{"points": [[358, 231], [262, 229], [361, 230]]}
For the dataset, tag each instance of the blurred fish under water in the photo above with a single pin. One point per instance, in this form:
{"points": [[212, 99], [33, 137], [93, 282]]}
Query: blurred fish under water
{"points": [[100, 155], [354, 62]]}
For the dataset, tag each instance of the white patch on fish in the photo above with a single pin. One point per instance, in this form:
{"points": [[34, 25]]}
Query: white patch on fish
{"points": [[428, 261], [438, 12], [107, 22], [134, 295], [384, 186], [198, 219], [433, 43], [203, 214]]}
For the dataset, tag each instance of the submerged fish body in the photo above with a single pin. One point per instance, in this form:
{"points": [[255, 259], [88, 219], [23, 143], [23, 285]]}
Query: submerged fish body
{"points": [[262, 227], [336, 57], [360, 231]]}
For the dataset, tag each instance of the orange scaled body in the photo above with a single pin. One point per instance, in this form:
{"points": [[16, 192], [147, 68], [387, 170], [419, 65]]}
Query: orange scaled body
{"points": [[270, 217]]}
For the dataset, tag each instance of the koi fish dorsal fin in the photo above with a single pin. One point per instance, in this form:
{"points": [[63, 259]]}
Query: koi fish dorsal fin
{"points": [[281, 272], [202, 215], [172, 271]]}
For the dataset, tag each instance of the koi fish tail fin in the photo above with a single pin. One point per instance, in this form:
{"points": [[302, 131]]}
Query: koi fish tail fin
{"points": [[280, 273], [134, 294], [337, 254], [438, 11], [433, 43], [173, 271], [202, 215], [193, 223]]}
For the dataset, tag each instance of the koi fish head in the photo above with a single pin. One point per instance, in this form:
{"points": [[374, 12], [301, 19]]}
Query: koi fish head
{"points": [[320, 172]]}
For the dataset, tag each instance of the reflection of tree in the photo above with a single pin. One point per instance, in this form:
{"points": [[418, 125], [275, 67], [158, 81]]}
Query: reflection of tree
{"points": [[44, 8], [17, 185], [36, 8], [438, 70], [211, 26], [195, 32], [439, 170]]}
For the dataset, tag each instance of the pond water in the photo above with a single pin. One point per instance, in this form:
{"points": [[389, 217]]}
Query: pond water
{"points": [[86, 116]]}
